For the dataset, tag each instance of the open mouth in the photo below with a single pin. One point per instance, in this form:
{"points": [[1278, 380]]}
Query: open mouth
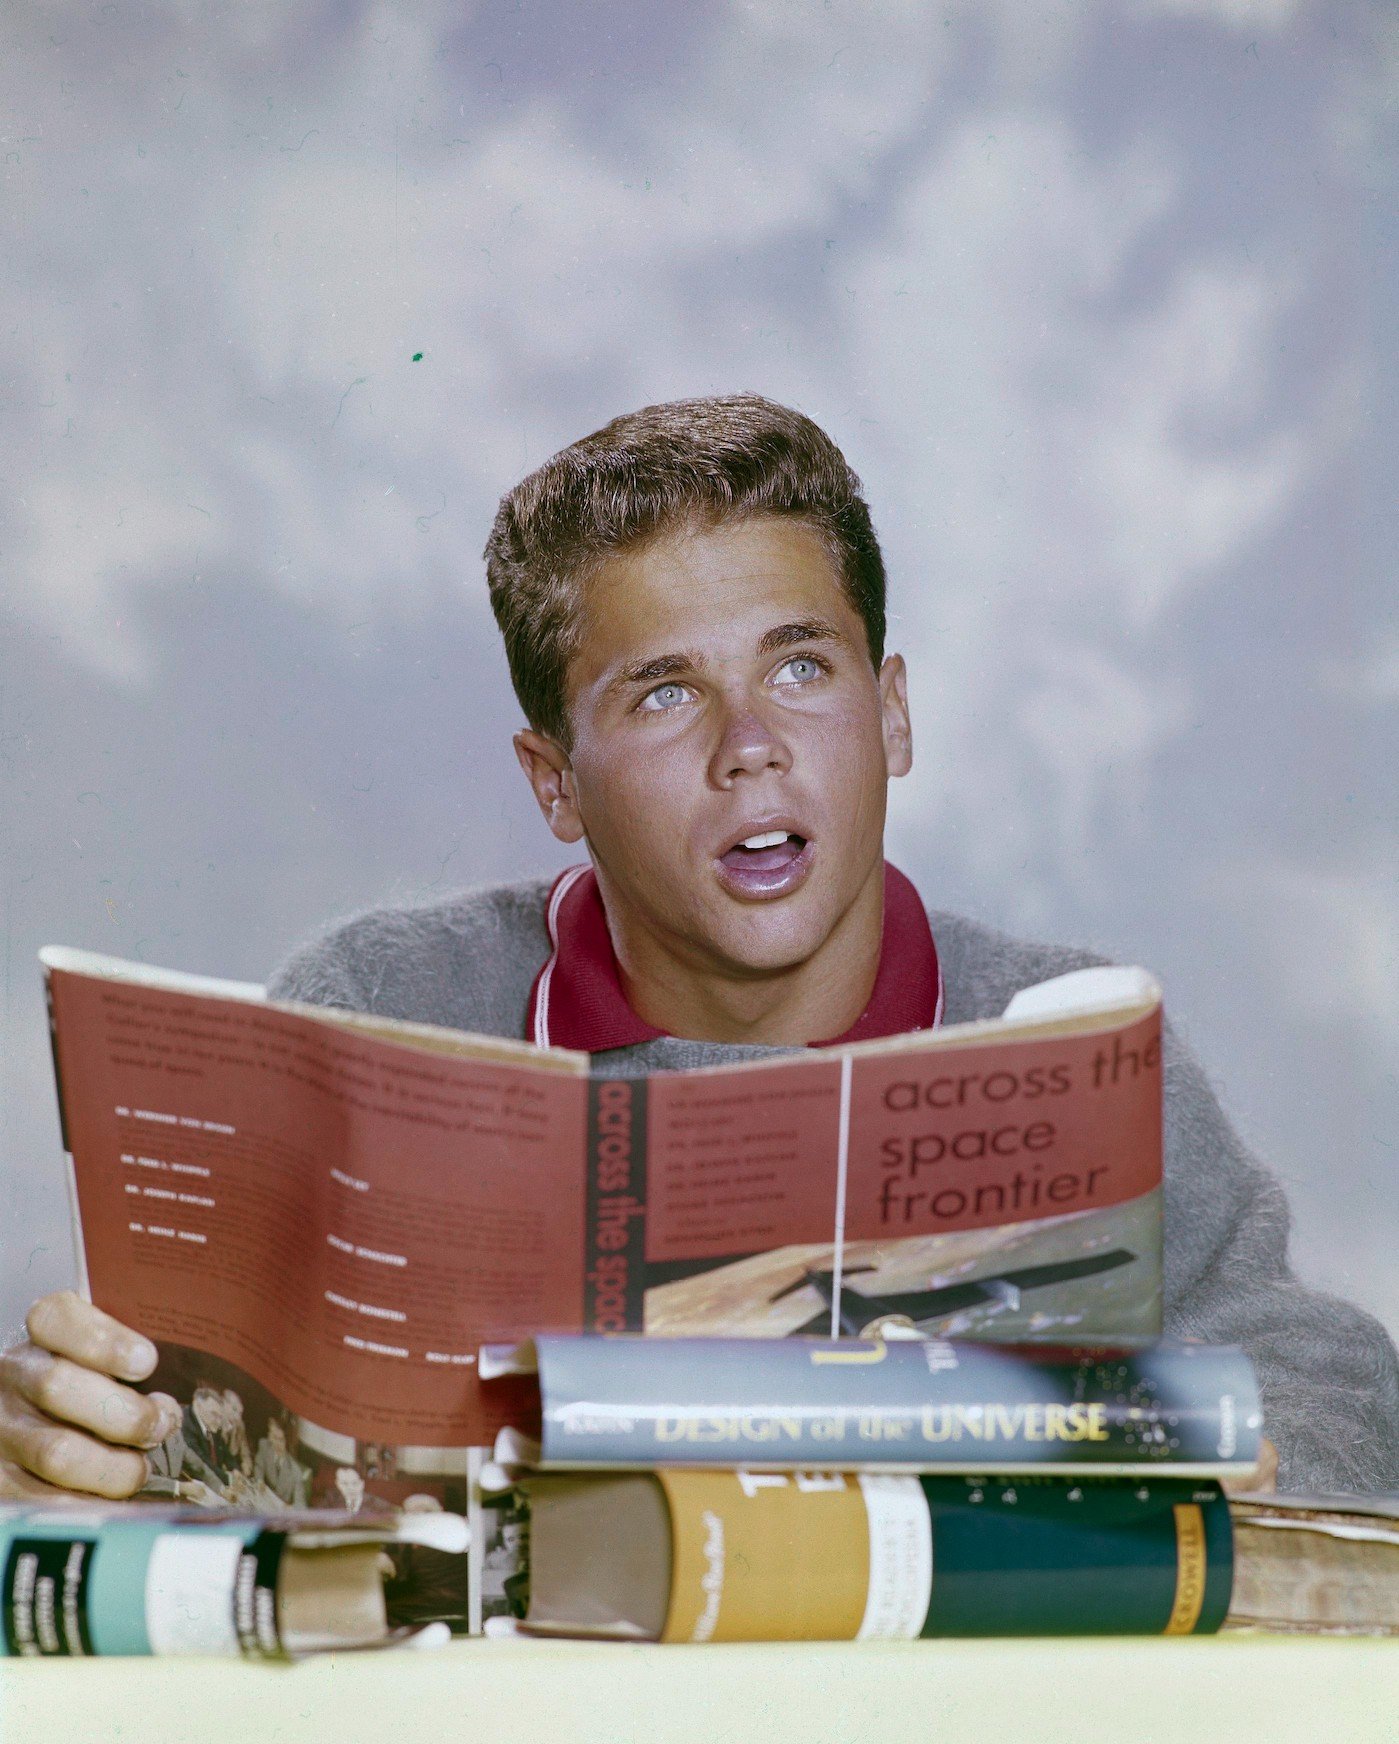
{"points": [[769, 852], [770, 863]]}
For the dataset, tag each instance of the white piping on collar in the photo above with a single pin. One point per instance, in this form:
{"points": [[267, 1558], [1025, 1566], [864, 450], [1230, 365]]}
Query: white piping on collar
{"points": [[541, 1003]]}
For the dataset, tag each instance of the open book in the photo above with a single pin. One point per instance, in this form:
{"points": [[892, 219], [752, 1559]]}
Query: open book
{"points": [[320, 1216], [1316, 1565]]}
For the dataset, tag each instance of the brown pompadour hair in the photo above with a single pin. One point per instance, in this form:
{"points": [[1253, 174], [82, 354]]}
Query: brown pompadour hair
{"points": [[679, 466]]}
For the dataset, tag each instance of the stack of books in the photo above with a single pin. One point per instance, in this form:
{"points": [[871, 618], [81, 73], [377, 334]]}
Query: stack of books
{"points": [[740, 1490], [707, 1490]]}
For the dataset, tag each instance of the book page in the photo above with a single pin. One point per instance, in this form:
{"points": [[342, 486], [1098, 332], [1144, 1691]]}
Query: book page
{"points": [[742, 1163], [1005, 1187], [344, 1219]]}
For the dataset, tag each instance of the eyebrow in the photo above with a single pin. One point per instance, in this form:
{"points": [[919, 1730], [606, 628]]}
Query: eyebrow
{"points": [[669, 665]]}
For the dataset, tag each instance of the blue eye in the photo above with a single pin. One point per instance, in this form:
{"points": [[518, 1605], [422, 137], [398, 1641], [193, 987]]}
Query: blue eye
{"points": [[664, 696], [804, 668]]}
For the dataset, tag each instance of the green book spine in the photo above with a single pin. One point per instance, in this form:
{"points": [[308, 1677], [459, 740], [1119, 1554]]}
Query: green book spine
{"points": [[1031, 1556]]}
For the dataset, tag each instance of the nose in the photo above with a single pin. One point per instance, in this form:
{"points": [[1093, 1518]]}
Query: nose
{"points": [[749, 744]]}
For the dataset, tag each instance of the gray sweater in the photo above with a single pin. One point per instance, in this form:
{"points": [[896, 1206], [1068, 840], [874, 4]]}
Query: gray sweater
{"points": [[1329, 1373]]}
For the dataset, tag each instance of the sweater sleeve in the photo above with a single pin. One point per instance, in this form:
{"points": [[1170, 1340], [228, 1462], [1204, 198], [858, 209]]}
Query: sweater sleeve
{"points": [[319, 973], [1328, 1371]]}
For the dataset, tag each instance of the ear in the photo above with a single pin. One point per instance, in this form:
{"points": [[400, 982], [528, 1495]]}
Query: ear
{"points": [[550, 774], [898, 729]]}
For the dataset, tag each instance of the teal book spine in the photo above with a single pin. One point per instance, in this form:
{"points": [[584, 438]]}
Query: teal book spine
{"points": [[75, 1583], [1044, 1557]]}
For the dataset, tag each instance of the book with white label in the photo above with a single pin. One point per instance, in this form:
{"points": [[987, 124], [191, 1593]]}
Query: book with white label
{"points": [[79, 1580]]}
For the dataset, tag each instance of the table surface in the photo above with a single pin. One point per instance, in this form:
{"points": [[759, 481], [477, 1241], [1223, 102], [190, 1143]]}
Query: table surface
{"points": [[1258, 1689]]}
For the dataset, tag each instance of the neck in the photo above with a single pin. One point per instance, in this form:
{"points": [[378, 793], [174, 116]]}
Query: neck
{"points": [[807, 1002]]}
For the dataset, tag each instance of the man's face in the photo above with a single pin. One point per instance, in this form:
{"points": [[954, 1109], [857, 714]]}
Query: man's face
{"points": [[723, 692]]}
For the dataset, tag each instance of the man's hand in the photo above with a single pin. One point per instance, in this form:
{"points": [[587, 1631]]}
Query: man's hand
{"points": [[1262, 1479], [67, 1422]]}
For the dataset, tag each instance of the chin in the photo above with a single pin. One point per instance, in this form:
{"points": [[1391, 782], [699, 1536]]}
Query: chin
{"points": [[771, 937]]}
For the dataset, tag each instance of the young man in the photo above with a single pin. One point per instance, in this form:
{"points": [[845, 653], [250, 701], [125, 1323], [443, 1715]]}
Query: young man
{"points": [[692, 602]]}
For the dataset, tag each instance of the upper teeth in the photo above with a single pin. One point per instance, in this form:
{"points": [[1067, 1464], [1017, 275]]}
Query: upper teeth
{"points": [[772, 839]]}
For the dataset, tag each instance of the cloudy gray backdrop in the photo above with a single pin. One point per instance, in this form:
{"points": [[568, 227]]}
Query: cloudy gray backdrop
{"points": [[1098, 297]]}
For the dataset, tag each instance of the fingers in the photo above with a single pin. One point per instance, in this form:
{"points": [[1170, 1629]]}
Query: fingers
{"points": [[174, 1415], [66, 1420], [81, 1397], [69, 1327], [18, 1485], [1262, 1477], [64, 1457]]}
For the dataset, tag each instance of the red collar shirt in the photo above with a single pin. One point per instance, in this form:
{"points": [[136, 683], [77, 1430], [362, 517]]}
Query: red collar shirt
{"points": [[577, 1000]]}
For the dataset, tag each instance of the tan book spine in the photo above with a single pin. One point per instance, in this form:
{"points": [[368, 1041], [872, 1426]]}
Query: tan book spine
{"points": [[768, 1556]]}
